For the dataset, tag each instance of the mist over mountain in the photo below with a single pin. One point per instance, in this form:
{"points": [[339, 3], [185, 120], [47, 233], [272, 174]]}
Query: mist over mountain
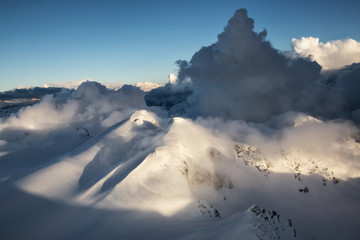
{"points": [[246, 142]]}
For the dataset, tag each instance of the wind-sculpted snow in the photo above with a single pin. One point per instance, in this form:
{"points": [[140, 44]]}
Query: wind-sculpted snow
{"points": [[183, 161], [199, 171]]}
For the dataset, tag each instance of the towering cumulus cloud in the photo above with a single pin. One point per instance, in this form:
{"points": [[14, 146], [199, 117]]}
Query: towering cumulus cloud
{"points": [[330, 55], [243, 76]]}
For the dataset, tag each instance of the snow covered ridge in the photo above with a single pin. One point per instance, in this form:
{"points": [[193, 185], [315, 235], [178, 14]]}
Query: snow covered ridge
{"points": [[254, 223], [182, 162], [188, 169]]}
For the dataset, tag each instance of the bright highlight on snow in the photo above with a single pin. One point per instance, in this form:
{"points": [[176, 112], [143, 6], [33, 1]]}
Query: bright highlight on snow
{"points": [[243, 143]]}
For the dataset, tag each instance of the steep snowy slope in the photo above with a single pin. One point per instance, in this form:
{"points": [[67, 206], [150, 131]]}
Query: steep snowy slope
{"points": [[179, 168]]}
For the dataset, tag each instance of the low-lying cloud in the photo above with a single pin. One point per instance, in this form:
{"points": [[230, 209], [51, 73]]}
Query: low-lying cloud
{"points": [[36, 92], [90, 105]]}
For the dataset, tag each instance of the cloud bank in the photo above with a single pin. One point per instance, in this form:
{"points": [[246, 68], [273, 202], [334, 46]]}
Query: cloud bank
{"points": [[36, 92], [91, 105], [330, 55]]}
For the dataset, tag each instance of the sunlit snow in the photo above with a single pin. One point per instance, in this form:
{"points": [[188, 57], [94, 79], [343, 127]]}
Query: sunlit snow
{"points": [[244, 143]]}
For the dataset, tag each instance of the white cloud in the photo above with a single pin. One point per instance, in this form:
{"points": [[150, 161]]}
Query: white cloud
{"points": [[172, 78], [90, 103], [330, 55]]}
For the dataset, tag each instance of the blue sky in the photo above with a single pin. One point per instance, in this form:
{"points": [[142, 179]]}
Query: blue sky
{"points": [[135, 41]]}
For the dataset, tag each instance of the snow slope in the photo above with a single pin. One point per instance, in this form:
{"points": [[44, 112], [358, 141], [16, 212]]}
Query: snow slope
{"points": [[186, 170], [228, 149]]}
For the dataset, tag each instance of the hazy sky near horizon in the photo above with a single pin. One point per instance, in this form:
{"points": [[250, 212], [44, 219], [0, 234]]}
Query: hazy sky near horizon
{"points": [[135, 41]]}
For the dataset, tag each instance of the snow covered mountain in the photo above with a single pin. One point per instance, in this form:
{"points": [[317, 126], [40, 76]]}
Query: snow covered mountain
{"points": [[210, 155], [178, 168]]}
